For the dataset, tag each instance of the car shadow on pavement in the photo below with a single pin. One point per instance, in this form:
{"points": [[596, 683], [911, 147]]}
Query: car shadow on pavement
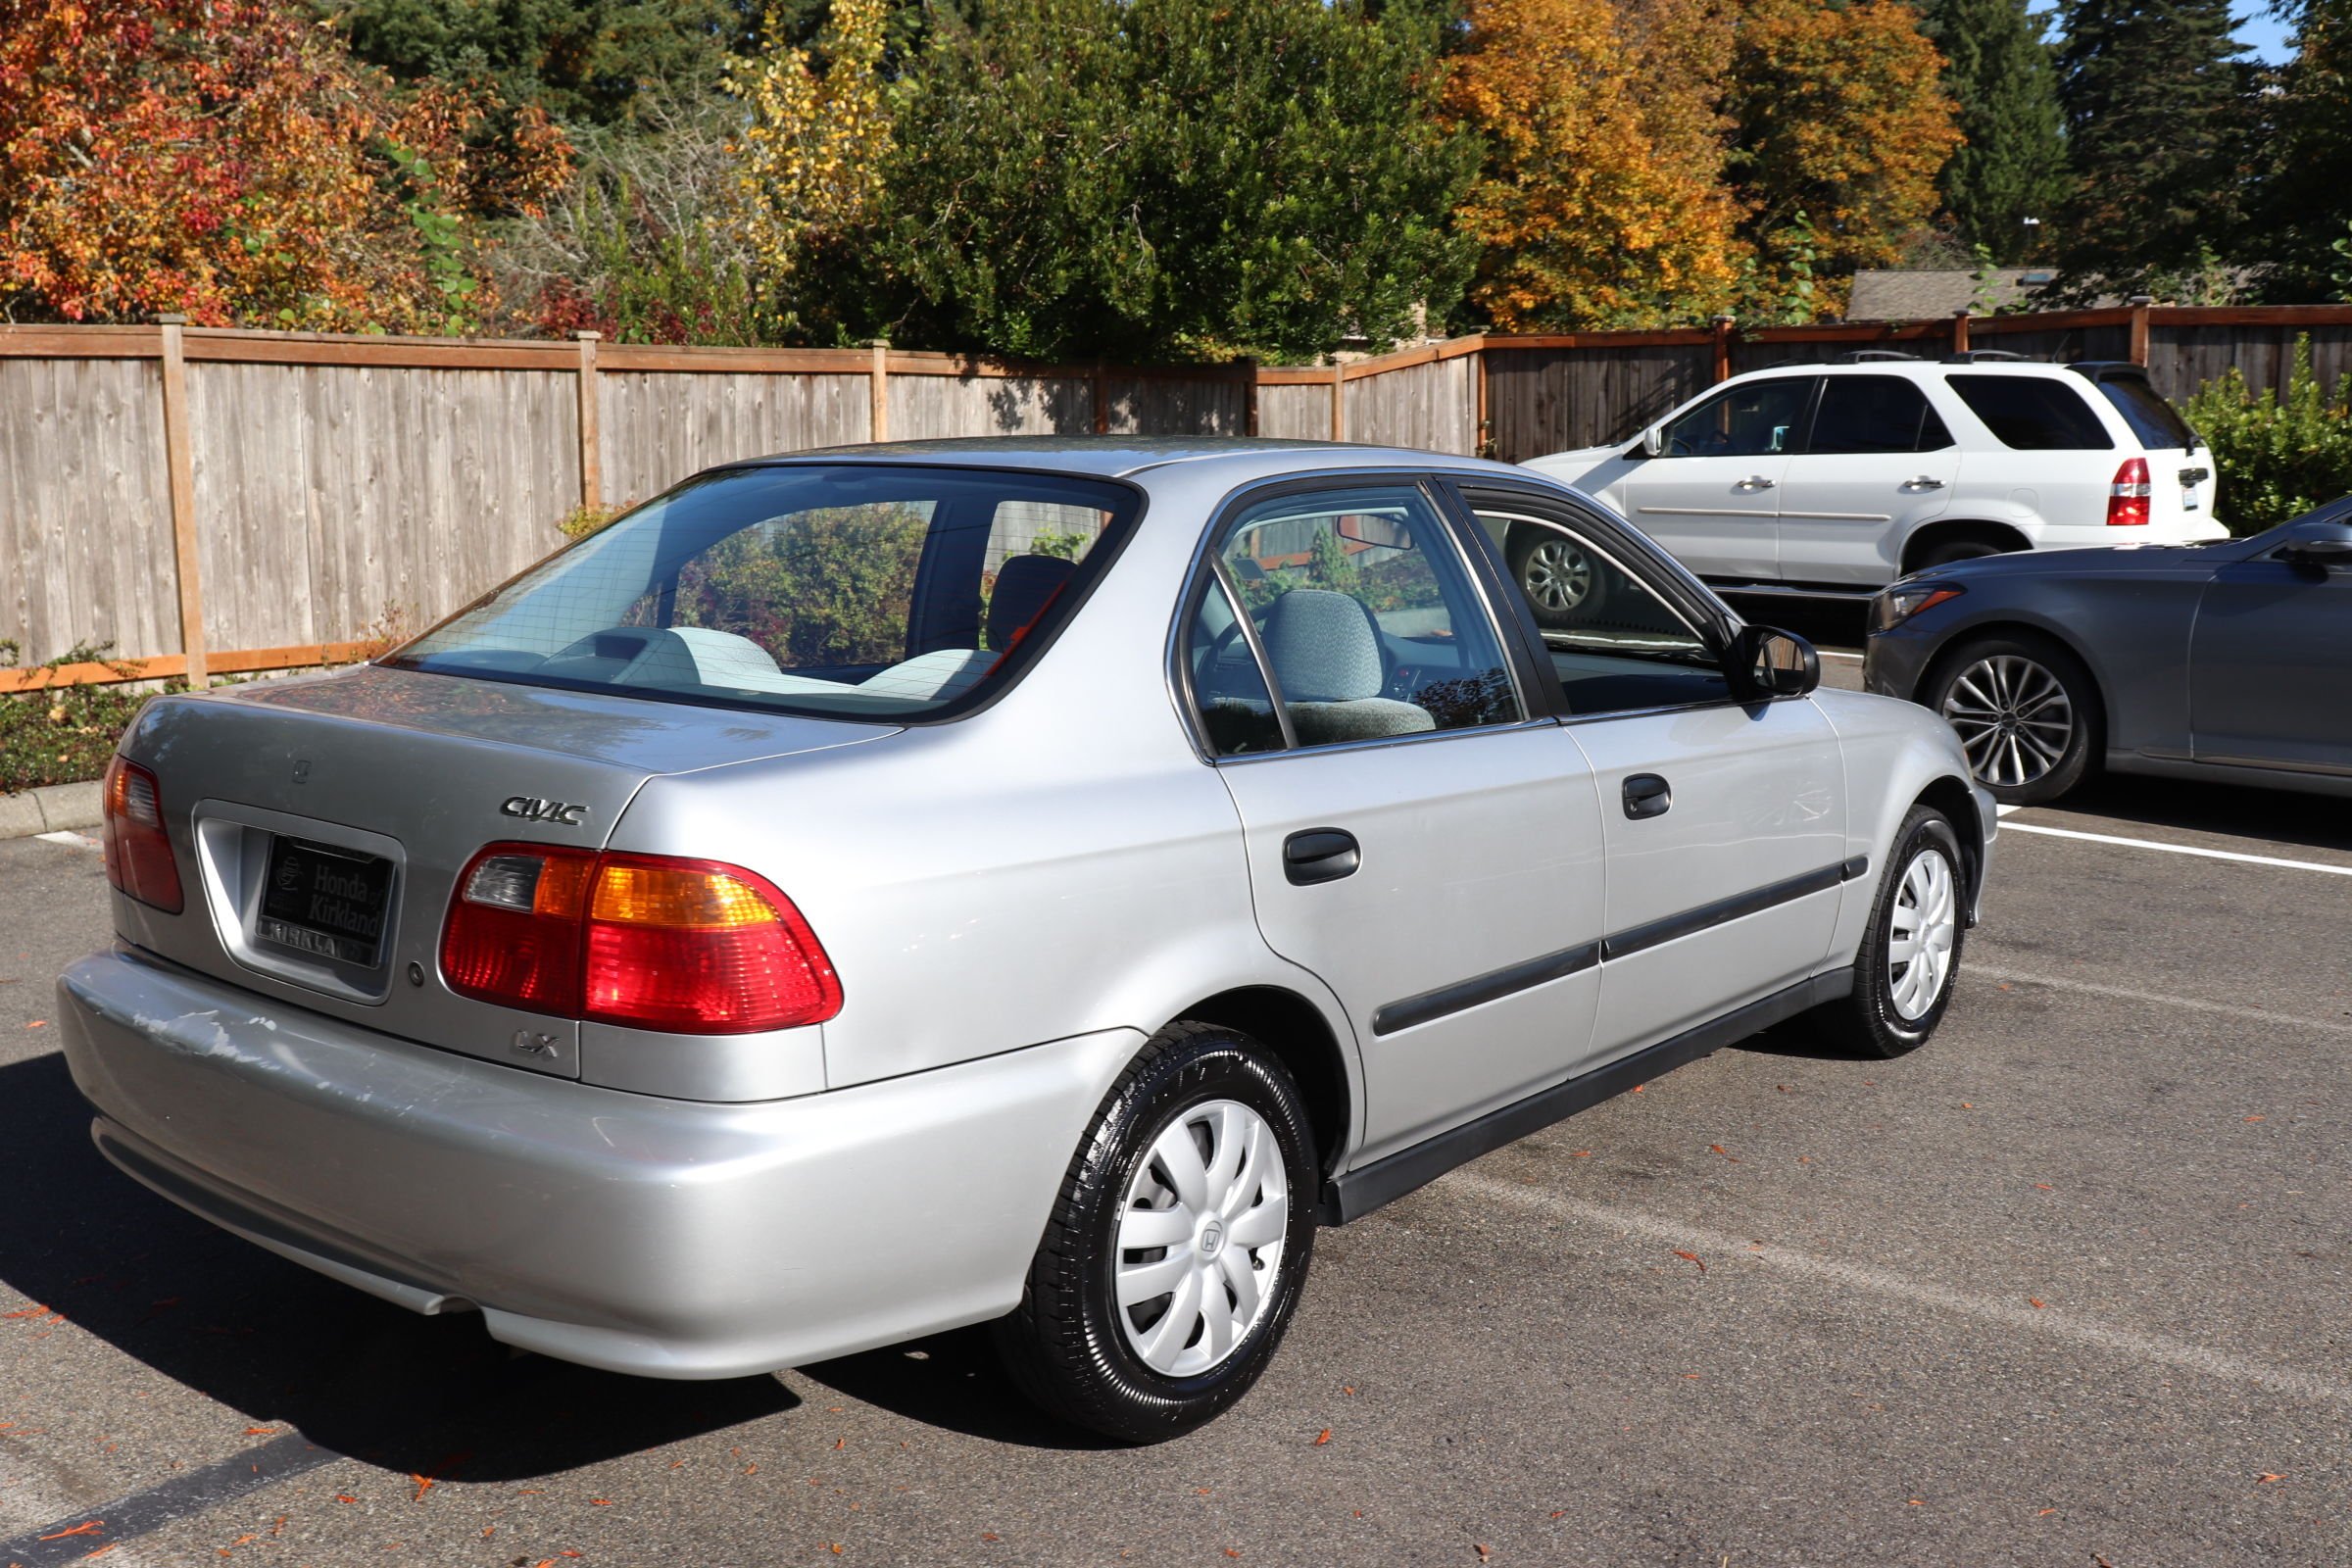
{"points": [[952, 1381], [288, 1347], [2285, 818]]}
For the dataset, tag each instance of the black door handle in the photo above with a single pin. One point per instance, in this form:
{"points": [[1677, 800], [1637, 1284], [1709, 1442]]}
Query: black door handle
{"points": [[1646, 795], [1320, 855]]}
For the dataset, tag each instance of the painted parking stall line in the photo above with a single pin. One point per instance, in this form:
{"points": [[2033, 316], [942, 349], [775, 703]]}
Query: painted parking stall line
{"points": [[2262, 1015], [2177, 849]]}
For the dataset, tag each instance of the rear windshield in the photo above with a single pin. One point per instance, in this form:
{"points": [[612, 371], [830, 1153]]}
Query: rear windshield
{"points": [[855, 591], [2151, 419], [2032, 412]]}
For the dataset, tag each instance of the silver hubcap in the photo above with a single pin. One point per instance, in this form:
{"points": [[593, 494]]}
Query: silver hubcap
{"points": [[1926, 920], [2012, 718], [1200, 1238], [1557, 575]]}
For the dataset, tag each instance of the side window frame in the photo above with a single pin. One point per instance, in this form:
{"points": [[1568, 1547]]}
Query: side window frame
{"points": [[1800, 428], [1536, 690], [1636, 556]]}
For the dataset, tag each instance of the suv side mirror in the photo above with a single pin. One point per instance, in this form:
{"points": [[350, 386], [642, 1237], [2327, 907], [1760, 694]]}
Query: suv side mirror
{"points": [[1654, 441], [1768, 663], [2319, 546]]}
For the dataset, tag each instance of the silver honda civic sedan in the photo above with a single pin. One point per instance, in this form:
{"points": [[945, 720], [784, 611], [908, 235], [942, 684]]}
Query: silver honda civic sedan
{"points": [[869, 891]]}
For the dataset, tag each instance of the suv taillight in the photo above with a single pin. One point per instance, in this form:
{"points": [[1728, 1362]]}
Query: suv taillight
{"points": [[2128, 497], [654, 942], [138, 851]]}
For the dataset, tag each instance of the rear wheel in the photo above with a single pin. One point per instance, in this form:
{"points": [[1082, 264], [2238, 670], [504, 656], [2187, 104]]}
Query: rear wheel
{"points": [[1910, 956], [1963, 548], [1177, 1249], [2027, 712]]}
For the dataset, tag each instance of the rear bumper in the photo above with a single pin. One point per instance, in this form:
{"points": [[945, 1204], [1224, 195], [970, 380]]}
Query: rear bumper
{"points": [[666, 1238]]}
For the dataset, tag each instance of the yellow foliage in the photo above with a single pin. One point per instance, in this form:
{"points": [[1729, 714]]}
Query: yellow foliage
{"points": [[1602, 200], [810, 158]]}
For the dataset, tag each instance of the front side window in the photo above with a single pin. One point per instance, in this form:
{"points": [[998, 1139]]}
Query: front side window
{"points": [[1875, 414], [2032, 412], [1754, 419], [1613, 640], [1365, 614], [855, 592]]}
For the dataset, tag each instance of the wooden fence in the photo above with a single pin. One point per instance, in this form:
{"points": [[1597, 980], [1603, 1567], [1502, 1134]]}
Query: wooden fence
{"points": [[213, 501]]}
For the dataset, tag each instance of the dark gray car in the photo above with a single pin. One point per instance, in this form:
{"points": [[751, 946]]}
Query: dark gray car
{"points": [[2231, 660]]}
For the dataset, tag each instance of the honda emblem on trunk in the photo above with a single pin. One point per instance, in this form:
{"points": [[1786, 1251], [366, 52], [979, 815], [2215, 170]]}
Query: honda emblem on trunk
{"points": [[532, 808]]}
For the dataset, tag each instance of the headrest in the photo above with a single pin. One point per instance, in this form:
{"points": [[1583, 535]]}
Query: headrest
{"points": [[1024, 583], [1324, 648]]}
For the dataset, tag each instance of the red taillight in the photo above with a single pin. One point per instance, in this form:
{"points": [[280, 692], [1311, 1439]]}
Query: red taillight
{"points": [[138, 851], [689, 946], [2128, 497]]}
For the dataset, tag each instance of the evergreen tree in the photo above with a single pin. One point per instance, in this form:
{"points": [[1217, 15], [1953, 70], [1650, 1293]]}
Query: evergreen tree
{"points": [[2157, 112], [2013, 165], [2302, 204]]}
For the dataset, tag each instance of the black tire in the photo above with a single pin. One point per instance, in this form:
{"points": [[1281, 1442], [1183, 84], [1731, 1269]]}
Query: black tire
{"points": [[1562, 583], [1066, 1345], [1868, 1021], [1989, 756], [1964, 548]]}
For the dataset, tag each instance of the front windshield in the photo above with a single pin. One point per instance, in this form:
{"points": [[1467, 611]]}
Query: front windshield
{"points": [[854, 591]]}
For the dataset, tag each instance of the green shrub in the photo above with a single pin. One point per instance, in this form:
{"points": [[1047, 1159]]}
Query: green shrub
{"points": [[2276, 457], [64, 735]]}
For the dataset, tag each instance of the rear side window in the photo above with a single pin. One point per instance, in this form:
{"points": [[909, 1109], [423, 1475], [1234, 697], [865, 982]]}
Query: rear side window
{"points": [[2151, 419], [855, 591], [1875, 414], [2032, 412]]}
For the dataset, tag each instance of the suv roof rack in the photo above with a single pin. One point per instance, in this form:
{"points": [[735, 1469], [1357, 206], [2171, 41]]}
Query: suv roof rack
{"points": [[1867, 355], [2110, 370], [1981, 356]]}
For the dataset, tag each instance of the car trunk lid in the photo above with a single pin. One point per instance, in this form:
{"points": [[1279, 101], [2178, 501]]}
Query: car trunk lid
{"points": [[319, 826]]}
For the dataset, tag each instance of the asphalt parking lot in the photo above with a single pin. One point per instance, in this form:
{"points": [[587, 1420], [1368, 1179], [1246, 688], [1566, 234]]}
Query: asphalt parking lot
{"points": [[2070, 1286]]}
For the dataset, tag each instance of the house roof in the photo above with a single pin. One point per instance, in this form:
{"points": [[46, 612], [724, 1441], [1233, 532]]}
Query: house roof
{"points": [[1885, 294]]}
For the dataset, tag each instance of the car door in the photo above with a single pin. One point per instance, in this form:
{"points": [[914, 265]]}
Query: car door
{"points": [[1710, 497], [1723, 821], [1877, 461], [2270, 662], [1415, 836]]}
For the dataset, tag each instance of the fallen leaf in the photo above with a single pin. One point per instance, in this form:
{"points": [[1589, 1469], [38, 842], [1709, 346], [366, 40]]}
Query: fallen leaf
{"points": [[2042, 1512], [1559, 1513], [1582, 1154], [343, 1497], [37, 1309], [1323, 1437], [751, 1469], [1691, 1257], [251, 1432], [1230, 1553], [1483, 1552], [2253, 1118], [1638, 1088], [990, 1534], [600, 1502], [1918, 1502], [1347, 1388], [2045, 1187], [1725, 1152], [2038, 1300], [88, 1527], [100, 1552], [38, 1023], [2269, 1475], [1966, 1105]]}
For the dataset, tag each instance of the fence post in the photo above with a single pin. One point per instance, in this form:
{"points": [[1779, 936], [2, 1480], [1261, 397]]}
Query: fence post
{"points": [[179, 477], [592, 445], [1723, 346], [878, 391], [1960, 330], [2140, 327], [1339, 402], [1101, 396], [1482, 434], [1248, 372]]}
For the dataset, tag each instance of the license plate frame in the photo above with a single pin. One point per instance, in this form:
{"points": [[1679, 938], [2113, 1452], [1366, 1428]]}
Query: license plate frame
{"points": [[324, 903]]}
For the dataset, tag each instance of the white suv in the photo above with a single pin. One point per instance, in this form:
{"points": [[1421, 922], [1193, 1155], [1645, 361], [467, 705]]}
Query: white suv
{"points": [[1838, 478]]}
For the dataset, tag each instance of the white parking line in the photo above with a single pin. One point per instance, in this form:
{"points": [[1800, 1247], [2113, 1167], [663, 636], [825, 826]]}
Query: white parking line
{"points": [[80, 841], [2177, 849], [2290, 1020], [1838, 653], [2054, 1323]]}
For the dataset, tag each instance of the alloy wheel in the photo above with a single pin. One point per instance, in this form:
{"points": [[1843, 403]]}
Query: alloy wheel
{"points": [[1925, 922], [2013, 717], [1200, 1238], [1557, 576]]}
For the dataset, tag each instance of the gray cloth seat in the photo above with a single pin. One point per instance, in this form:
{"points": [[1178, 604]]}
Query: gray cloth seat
{"points": [[1325, 651]]}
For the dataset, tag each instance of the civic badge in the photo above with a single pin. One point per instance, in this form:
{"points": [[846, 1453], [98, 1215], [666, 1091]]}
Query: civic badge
{"points": [[531, 809]]}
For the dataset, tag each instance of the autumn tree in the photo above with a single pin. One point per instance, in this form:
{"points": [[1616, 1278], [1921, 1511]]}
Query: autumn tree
{"points": [[225, 159], [1842, 127], [1599, 199]]}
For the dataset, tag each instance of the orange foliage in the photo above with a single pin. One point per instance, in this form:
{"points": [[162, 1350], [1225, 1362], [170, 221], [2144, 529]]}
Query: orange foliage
{"points": [[1841, 116], [227, 159], [1602, 201]]}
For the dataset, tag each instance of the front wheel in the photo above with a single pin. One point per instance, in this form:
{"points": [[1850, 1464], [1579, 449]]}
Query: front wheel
{"points": [[1910, 956], [1178, 1246], [1564, 585], [2026, 712]]}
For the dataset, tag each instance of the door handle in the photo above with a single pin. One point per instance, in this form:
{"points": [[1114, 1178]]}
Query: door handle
{"points": [[1754, 481], [1320, 855], [1923, 482], [1648, 795]]}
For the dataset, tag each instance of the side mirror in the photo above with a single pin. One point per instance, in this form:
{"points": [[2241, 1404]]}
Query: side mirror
{"points": [[1654, 441], [2319, 546], [1771, 663]]}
